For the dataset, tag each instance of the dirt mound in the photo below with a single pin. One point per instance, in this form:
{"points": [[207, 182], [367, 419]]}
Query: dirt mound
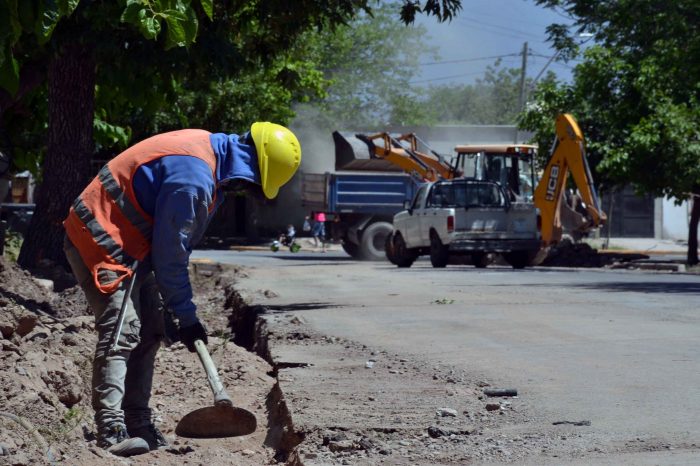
{"points": [[45, 371], [569, 254], [37, 294]]}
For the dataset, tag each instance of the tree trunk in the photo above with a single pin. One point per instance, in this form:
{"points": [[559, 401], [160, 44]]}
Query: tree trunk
{"points": [[66, 167], [693, 229]]}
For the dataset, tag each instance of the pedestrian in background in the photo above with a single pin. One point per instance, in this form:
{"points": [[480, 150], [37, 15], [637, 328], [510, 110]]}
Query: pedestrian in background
{"points": [[319, 230], [306, 228]]}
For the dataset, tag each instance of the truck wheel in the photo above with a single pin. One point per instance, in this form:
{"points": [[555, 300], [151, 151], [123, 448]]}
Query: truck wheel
{"points": [[389, 249], [372, 242], [518, 259], [480, 260], [403, 256], [439, 254], [352, 249]]}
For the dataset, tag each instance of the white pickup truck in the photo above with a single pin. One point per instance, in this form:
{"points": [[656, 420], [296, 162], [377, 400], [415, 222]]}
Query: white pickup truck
{"points": [[464, 217]]}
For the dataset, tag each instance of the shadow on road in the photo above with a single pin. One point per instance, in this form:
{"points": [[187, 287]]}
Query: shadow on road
{"points": [[315, 258], [491, 269], [643, 287], [300, 307]]}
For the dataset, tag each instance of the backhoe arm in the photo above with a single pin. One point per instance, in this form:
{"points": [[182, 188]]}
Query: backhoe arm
{"points": [[568, 155], [424, 167]]}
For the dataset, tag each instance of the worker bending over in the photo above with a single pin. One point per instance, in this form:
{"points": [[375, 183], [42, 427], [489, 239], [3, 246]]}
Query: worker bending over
{"points": [[140, 217]]}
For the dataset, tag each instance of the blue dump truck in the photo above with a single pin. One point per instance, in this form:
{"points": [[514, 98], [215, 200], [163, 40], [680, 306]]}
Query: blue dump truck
{"points": [[359, 206], [360, 198]]}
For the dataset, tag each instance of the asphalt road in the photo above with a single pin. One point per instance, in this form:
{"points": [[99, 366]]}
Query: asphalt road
{"points": [[618, 348]]}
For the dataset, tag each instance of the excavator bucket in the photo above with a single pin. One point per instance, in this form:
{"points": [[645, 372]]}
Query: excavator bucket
{"points": [[357, 153]]}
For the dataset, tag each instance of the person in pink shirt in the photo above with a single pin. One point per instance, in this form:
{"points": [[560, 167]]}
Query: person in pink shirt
{"points": [[319, 230]]}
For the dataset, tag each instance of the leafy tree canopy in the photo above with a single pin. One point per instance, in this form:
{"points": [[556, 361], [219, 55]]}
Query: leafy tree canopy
{"points": [[493, 99], [636, 93], [217, 65], [368, 65]]}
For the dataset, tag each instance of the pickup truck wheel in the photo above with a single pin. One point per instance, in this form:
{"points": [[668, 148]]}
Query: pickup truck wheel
{"points": [[439, 254], [480, 260], [403, 256], [389, 249], [518, 259], [352, 249], [373, 239]]}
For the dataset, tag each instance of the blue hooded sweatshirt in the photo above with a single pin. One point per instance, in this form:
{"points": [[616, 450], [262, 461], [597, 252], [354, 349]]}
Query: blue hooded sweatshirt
{"points": [[178, 192]]}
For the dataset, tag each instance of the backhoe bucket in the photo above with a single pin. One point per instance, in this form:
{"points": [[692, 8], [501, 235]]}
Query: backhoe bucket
{"points": [[355, 153]]}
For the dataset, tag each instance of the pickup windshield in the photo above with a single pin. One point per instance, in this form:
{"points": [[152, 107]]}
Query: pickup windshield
{"points": [[466, 194]]}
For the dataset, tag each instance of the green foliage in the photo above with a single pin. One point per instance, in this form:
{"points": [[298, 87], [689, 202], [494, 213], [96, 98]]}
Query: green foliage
{"points": [[9, 72], [444, 10], [35, 18], [108, 135], [551, 98], [367, 67], [635, 94], [60, 430], [493, 99], [149, 16], [225, 63], [13, 244]]}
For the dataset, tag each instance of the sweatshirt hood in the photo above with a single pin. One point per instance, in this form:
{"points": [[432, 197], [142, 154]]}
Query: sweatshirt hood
{"points": [[235, 158]]}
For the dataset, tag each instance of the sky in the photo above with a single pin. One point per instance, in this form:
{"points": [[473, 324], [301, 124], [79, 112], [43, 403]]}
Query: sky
{"points": [[485, 29]]}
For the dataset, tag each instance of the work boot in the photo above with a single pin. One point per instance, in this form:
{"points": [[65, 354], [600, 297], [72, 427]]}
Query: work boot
{"points": [[116, 440], [151, 435]]}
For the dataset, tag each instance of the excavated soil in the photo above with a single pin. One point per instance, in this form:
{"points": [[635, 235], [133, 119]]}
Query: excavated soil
{"points": [[570, 254], [47, 341]]}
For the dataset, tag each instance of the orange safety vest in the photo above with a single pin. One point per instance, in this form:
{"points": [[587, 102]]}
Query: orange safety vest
{"points": [[106, 223]]}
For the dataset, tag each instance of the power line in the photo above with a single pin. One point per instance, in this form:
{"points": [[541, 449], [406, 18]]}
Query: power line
{"points": [[463, 60], [549, 56], [492, 31], [505, 28], [476, 12], [446, 77]]}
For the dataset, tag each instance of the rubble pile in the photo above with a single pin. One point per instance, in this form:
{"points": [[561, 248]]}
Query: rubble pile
{"points": [[47, 340], [570, 254], [45, 366]]}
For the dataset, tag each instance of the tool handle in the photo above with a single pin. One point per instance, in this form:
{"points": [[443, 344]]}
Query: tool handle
{"points": [[220, 395], [116, 333]]}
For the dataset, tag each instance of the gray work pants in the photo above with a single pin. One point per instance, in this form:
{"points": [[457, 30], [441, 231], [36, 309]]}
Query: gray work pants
{"points": [[121, 382]]}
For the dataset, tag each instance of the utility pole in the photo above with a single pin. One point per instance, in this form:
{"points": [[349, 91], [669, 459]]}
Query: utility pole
{"points": [[523, 73], [521, 98]]}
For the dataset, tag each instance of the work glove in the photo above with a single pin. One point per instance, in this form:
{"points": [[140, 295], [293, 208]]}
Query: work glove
{"points": [[172, 332], [191, 333]]}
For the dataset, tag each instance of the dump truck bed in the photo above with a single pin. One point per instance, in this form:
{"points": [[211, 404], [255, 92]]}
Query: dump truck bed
{"points": [[359, 193]]}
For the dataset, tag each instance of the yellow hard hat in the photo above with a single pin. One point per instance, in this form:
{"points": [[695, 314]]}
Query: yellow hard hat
{"points": [[279, 155]]}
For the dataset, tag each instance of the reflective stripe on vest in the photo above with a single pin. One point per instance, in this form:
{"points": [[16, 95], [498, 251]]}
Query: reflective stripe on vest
{"points": [[106, 223]]}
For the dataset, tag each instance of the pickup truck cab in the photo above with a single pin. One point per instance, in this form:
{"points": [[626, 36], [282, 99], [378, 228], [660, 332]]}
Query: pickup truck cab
{"points": [[464, 217]]}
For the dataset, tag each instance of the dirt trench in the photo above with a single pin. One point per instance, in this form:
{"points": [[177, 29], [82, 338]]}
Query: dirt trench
{"points": [[46, 347], [250, 332]]}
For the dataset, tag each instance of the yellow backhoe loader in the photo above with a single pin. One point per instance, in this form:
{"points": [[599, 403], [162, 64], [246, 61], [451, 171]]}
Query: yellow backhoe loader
{"points": [[568, 155]]}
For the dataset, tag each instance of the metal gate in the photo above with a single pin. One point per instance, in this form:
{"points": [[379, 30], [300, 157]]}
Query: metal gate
{"points": [[629, 215]]}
